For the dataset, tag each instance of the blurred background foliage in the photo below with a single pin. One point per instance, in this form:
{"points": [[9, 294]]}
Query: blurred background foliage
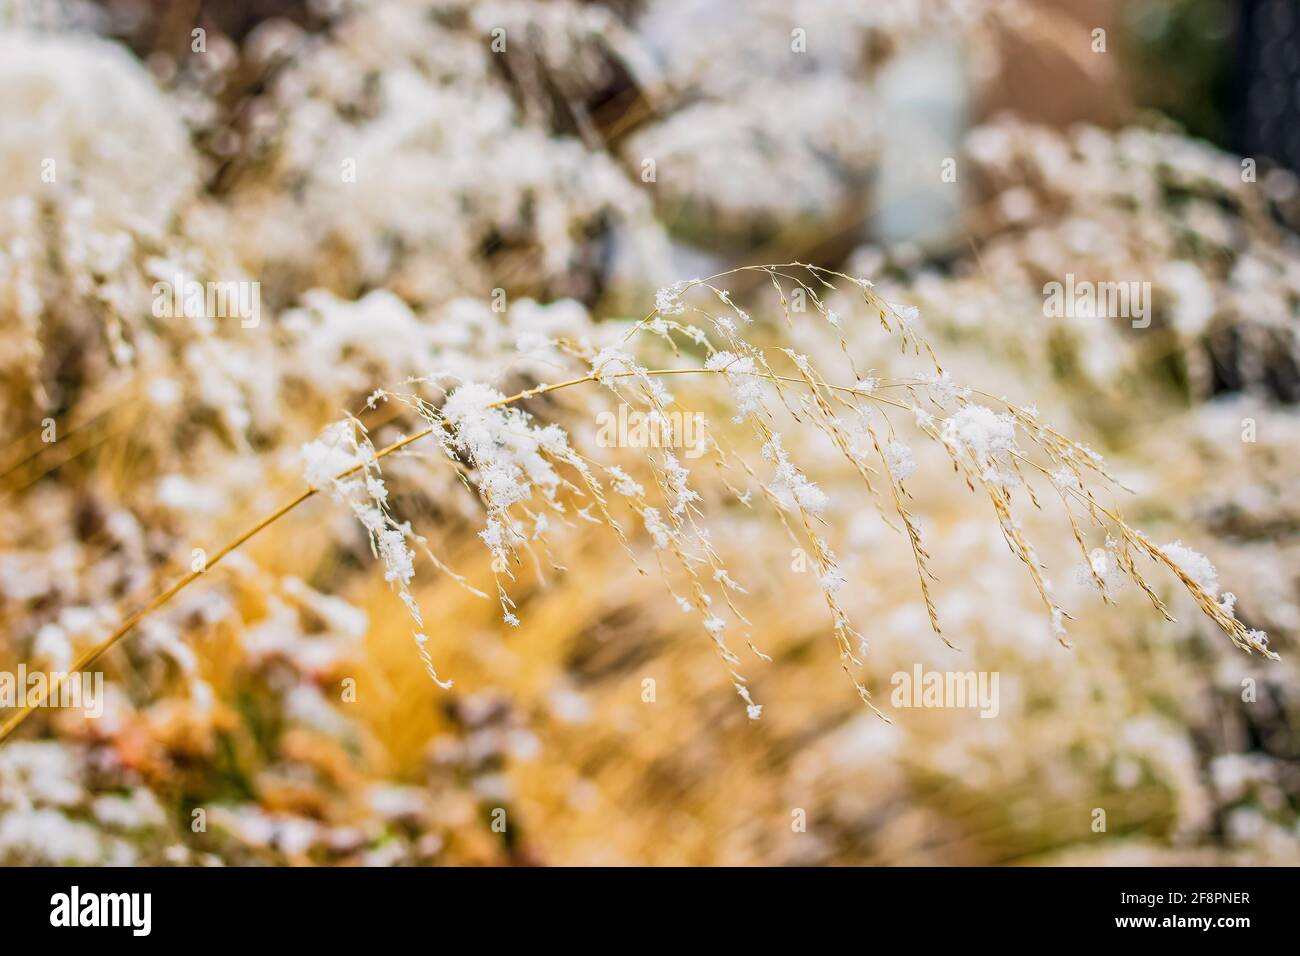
{"points": [[1179, 56], [526, 172]]}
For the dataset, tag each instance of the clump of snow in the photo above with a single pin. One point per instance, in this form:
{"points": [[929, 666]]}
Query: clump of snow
{"points": [[987, 439], [1103, 565], [746, 388], [899, 458], [1195, 565], [791, 484], [328, 456]]}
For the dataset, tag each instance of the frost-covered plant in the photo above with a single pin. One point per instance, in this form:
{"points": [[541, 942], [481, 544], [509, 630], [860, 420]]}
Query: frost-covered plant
{"points": [[531, 478]]}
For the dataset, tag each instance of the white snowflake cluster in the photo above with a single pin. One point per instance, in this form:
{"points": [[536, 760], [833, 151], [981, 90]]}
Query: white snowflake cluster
{"points": [[741, 375], [986, 438], [790, 484], [1195, 565], [1103, 570], [899, 458]]}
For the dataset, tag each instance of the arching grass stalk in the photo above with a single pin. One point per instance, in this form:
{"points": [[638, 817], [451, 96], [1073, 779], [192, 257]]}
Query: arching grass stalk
{"points": [[521, 472]]}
